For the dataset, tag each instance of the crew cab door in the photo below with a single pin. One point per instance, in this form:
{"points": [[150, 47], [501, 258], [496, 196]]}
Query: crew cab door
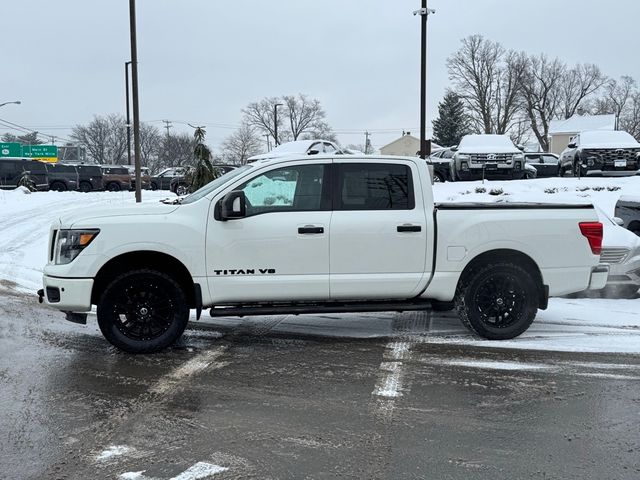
{"points": [[379, 230], [279, 251]]}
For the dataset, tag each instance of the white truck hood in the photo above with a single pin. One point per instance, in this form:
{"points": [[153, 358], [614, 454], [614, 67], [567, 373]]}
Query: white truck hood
{"points": [[93, 214]]}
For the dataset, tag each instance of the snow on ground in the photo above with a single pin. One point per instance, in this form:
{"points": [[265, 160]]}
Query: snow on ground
{"points": [[568, 324], [24, 227]]}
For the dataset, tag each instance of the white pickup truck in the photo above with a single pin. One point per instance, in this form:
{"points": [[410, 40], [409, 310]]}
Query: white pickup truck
{"points": [[314, 235]]}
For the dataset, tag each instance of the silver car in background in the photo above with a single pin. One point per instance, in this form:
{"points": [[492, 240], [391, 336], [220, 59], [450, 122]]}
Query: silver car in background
{"points": [[621, 250]]}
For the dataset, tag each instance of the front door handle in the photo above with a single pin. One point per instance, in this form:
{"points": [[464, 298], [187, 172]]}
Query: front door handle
{"points": [[409, 228], [310, 230]]}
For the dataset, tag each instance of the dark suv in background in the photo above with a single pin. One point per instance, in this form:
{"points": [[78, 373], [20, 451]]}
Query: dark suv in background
{"points": [[162, 181], [602, 152], [62, 178], [115, 178], [11, 170], [90, 178]]}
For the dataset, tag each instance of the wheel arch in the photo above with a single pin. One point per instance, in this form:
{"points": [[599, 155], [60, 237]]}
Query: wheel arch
{"points": [[513, 256], [145, 259]]}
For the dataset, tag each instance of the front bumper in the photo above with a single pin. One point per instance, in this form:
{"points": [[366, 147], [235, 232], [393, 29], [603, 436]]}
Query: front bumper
{"points": [[599, 277], [67, 294], [612, 173], [491, 174]]}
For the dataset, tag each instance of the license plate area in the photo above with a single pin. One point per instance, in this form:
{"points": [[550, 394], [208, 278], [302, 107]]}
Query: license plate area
{"points": [[490, 166], [620, 163]]}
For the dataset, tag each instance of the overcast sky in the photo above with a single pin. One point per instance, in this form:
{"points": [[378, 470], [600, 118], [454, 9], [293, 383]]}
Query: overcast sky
{"points": [[202, 61]]}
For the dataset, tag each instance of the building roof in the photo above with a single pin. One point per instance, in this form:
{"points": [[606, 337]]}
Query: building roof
{"points": [[409, 137], [580, 123]]}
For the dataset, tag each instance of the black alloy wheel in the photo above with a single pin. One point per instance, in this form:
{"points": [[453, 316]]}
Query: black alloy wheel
{"points": [[143, 311], [114, 187], [85, 187], [497, 301]]}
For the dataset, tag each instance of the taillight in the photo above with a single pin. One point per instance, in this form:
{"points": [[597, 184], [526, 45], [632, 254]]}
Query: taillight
{"points": [[593, 232]]}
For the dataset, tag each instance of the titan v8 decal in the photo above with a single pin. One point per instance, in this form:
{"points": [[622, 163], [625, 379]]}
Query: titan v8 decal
{"points": [[246, 271]]}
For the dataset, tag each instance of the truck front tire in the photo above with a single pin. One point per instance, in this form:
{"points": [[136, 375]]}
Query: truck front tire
{"points": [[143, 311], [497, 301]]}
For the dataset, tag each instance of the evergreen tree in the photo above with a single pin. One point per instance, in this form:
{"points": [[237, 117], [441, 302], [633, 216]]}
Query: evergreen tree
{"points": [[203, 172], [452, 123]]}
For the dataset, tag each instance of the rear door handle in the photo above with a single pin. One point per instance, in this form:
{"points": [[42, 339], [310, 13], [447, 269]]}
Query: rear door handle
{"points": [[310, 230], [409, 228]]}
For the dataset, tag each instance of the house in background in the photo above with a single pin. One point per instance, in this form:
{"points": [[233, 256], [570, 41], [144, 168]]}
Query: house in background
{"points": [[561, 131], [407, 146]]}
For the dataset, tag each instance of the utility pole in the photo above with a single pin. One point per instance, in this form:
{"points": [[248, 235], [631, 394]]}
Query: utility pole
{"points": [[167, 125], [134, 89], [425, 145], [126, 89], [275, 124], [53, 140], [366, 142], [268, 142]]}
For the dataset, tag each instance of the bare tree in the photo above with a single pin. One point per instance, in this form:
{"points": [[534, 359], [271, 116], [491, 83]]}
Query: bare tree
{"points": [[630, 121], [241, 144], [150, 141], [540, 88], [176, 151], [487, 78], [578, 84], [617, 98], [299, 116], [261, 115], [305, 115], [104, 138]]}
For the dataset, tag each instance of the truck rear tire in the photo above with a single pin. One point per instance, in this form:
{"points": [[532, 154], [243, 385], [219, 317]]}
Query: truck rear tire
{"points": [[85, 187], [143, 311], [497, 301]]}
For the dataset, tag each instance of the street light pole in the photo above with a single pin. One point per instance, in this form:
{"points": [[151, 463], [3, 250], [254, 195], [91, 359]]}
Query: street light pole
{"points": [[134, 91], [126, 89], [425, 145], [275, 122], [17, 102]]}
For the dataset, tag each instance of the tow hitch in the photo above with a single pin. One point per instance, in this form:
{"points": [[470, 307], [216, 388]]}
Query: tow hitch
{"points": [[40, 295]]}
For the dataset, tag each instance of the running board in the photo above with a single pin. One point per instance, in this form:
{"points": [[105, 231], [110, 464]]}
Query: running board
{"points": [[330, 307]]}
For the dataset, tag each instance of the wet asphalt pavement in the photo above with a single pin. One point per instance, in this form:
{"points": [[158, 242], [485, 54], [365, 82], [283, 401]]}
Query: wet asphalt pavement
{"points": [[236, 400]]}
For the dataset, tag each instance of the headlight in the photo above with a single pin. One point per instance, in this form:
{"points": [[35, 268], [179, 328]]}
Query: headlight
{"points": [[518, 156], [463, 157], [69, 244]]}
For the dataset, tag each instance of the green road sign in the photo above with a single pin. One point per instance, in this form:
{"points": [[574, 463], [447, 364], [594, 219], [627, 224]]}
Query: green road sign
{"points": [[40, 151], [10, 150]]}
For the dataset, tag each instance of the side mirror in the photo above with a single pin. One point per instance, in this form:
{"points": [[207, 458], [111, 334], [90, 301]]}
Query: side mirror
{"points": [[454, 148], [520, 147], [313, 152], [572, 145], [619, 221], [234, 205]]}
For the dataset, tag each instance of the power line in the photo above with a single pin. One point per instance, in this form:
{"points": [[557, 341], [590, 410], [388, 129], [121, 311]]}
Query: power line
{"points": [[23, 129]]}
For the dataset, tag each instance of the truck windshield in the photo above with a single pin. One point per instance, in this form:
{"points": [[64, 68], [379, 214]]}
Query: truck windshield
{"points": [[215, 184]]}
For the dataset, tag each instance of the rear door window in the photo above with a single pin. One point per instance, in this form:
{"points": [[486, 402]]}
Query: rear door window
{"points": [[374, 186]]}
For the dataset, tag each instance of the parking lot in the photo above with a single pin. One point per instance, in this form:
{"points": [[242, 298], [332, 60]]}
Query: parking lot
{"points": [[391, 395]]}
